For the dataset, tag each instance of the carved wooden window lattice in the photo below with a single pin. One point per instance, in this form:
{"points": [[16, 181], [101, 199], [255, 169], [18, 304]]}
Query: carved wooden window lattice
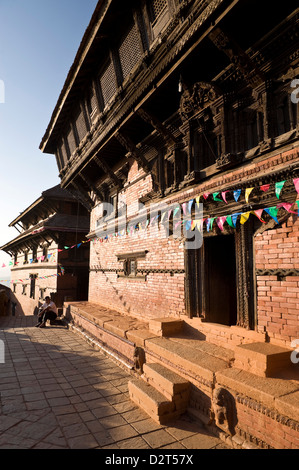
{"points": [[71, 141], [92, 106], [130, 51], [63, 154], [157, 7], [108, 82], [81, 126]]}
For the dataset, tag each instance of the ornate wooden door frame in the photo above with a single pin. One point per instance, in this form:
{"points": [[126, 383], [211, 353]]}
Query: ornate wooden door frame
{"points": [[195, 268]]}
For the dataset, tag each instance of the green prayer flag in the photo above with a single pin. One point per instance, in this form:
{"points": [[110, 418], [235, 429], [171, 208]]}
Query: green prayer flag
{"points": [[216, 198], [278, 188], [230, 221]]}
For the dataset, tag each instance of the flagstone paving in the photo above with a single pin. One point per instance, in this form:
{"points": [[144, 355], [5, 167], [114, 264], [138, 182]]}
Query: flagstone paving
{"points": [[58, 392]]}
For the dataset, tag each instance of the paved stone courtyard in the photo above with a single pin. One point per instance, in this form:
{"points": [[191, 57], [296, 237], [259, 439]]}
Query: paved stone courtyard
{"points": [[58, 392]]}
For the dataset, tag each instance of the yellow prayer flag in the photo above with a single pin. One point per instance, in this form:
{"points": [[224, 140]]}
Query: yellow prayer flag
{"points": [[247, 193], [244, 217]]}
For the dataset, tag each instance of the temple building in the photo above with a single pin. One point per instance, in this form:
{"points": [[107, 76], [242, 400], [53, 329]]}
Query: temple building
{"points": [[177, 129], [48, 258]]}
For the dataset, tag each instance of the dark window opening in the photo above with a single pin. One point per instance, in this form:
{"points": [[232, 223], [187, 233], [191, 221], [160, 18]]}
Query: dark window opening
{"points": [[32, 286]]}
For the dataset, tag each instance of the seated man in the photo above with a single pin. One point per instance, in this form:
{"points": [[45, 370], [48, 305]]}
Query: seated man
{"points": [[48, 312]]}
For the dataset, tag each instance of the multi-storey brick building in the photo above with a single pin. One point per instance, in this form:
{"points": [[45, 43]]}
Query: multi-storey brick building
{"points": [[181, 103], [45, 260]]}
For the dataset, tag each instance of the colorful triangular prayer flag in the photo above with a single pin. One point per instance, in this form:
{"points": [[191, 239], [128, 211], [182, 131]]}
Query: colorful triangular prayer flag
{"points": [[273, 211], [278, 188], [265, 187], [235, 218], [223, 194], [296, 184], [248, 191], [258, 213], [220, 222], [237, 194], [287, 206], [244, 217], [190, 203], [215, 197], [230, 221]]}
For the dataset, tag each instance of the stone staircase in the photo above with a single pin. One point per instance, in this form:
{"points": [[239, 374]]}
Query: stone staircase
{"points": [[161, 393], [241, 389]]}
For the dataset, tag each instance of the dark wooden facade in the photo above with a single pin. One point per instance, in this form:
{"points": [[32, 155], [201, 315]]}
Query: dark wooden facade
{"points": [[198, 94]]}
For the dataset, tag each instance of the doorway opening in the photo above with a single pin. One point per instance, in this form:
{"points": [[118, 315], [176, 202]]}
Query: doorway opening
{"points": [[220, 280]]}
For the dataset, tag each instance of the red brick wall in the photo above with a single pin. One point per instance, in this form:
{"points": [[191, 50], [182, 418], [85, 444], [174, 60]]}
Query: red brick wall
{"points": [[266, 429], [278, 300], [161, 294]]}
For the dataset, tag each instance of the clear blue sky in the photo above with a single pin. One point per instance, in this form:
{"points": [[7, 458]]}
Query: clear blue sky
{"points": [[38, 43]]}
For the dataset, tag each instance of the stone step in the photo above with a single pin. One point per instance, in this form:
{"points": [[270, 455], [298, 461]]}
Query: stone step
{"points": [[262, 359], [170, 384], [190, 361], [154, 403], [165, 326], [209, 349]]}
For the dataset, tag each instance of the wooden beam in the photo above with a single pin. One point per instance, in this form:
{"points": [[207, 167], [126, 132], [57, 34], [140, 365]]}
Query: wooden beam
{"points": [[106, 168], [158, 125], [127, 143], [238, 57], [79, 193], [92, 186]]}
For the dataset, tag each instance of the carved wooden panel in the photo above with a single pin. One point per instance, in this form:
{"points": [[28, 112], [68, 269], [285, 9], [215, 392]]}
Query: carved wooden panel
{"points": [[130, 51]]}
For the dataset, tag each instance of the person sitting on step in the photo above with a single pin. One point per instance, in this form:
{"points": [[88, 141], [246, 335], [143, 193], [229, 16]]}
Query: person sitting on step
{"points": [[48, 312]]}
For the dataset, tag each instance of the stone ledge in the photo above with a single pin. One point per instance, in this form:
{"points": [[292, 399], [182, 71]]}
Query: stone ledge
{"points": [[165, 326], [262, 359], [263, 390], [193, 362]]}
